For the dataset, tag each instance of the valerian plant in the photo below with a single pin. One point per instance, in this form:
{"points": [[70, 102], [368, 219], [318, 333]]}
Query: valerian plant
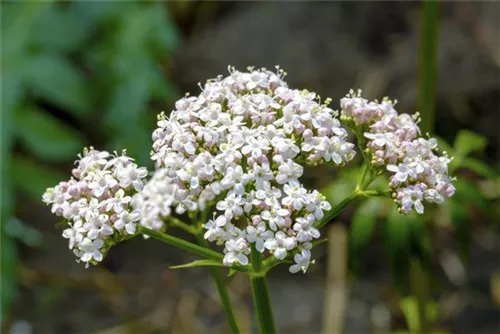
{"points": [[231, 159]]}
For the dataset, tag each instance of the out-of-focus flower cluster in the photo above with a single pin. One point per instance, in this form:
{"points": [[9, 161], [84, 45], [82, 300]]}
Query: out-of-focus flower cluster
{"points": [[394, 142], [96, 202], [241, 147]]}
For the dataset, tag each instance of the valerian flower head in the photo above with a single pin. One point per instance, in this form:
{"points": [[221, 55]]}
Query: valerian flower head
{"points": [[240, 148], [394, 143], [96, 202]]}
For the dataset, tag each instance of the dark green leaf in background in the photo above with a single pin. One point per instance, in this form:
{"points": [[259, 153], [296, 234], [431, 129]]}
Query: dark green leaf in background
{"points": [[54, 78], [396, 237], [47, 137], [467, 142], [59, 30], [479, 167], [32, 178], [363, 225]]}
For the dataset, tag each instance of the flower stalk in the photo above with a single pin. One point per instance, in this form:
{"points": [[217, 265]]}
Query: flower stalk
{"points": [[203, 252], [260, 294], [223, 292]]}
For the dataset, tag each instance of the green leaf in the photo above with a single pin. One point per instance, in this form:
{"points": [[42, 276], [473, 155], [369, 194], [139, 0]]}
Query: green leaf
{"points": [[17, 23], [11, 92], [444, 146], [199, 263], [60, 29], [479, 167], [409, 307], [164, 32], [468, 193], [17, 229], [47, 137], [31, 177], [55, 79], [362, 228], [396, 235], [8, 267], [467, 142]]}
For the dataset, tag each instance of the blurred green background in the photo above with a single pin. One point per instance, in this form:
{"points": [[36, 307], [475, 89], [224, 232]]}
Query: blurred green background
{"points": [[81, 73]]}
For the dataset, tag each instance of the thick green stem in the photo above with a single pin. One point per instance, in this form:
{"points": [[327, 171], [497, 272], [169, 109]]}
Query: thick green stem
{"points": [[223, 292], [420, 290], [427, 63], [183, 244], [260, 294]]}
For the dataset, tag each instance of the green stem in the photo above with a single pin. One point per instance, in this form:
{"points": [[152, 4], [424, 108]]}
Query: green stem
{"points": [[427, 63], [419, 289], [356, 194], [185, 245], [365, 178], [182, 225], [222, 290], [260, 294]]}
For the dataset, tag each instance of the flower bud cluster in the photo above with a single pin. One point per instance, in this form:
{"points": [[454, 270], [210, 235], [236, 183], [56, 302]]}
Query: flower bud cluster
{"points": [[394, 142], [96, 202], [241, 147]]}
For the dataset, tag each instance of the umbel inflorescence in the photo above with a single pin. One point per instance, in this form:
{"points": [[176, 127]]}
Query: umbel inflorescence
{"points": [[394, 143], [232, 159], [241, 147], [96, 202]]}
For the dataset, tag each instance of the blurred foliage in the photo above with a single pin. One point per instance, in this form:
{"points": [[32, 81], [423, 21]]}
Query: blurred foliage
{"points": [[74, 73], [406, 237]]}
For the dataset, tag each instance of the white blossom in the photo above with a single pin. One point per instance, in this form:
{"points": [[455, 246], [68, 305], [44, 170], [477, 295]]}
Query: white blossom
{"points": [[236, 251], [240, 147], [96, 202], [394, 143], [302, 261]]}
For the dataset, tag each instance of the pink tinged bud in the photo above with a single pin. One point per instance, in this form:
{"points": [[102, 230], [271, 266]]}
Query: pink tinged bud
{"points": [[74, 191], [308, 133], [256, 219], [76, 173]]}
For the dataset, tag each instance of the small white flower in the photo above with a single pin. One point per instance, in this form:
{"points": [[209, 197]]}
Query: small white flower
{"points": [[302, 261], [118, 202], [290, 171], [401, 172], [131, 175], [231, 205], [280, 244], [255, 147], [236, 251], [258, 235], [296, 195], [275, 217], [128, 221], [91, 250]]}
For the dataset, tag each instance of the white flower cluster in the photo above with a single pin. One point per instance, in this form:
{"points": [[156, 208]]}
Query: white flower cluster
{"points": [[394, 142], [240, 146], [155, 201], [96, 202]]}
